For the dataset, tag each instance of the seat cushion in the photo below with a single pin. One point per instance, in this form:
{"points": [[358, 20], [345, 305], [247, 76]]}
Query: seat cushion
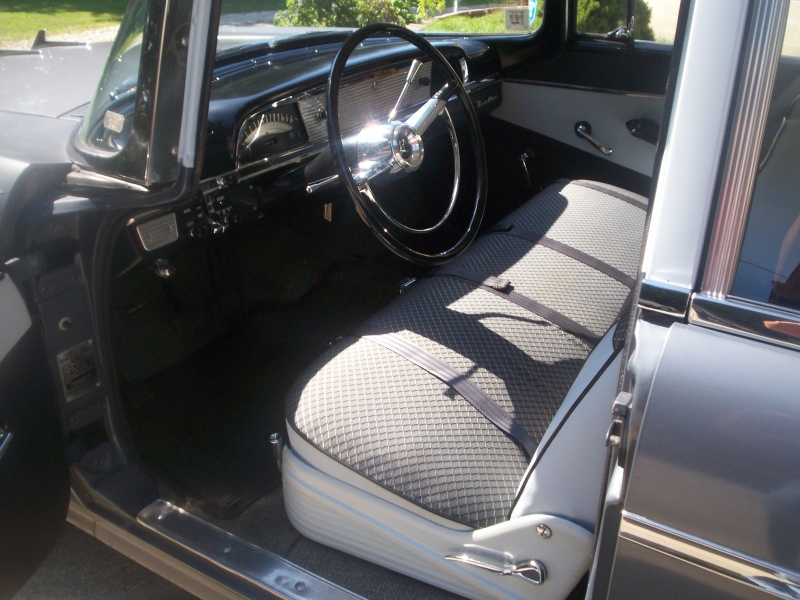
{"points": [[406, 430]]}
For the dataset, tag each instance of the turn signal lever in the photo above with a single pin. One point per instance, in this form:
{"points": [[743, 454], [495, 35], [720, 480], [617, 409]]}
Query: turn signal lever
{"points": [[321, 169]]}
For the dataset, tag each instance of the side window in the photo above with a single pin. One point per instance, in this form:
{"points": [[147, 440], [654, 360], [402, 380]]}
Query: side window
{"points": [[769, 263], [654, 20], [791, 40]]}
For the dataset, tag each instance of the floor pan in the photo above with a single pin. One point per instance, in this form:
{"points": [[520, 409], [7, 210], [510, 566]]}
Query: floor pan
{"points": [[203, 425]]}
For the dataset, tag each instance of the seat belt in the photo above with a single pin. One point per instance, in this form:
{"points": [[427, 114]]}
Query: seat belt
{"points": [[574, 253], [504, 289], [458, 381]]}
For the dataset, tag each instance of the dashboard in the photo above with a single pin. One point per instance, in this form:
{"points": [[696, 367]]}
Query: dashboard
{"points": [[267, 122]]}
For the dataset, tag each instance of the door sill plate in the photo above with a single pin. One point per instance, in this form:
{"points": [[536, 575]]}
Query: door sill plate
{"points": [[269, 571]]}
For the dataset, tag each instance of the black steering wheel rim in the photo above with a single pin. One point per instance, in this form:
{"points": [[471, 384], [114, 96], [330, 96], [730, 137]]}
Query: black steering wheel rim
{"points": [[368, 213]]}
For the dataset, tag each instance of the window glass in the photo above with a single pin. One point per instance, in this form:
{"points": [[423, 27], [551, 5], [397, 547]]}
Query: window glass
{"points": [[791, 41], [769, 263], [282, 18], [109, 122], [656, 20]]}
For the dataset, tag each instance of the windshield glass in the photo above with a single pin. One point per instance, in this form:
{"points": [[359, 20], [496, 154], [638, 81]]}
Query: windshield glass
{"points": [[247, 21], [112, 106]]}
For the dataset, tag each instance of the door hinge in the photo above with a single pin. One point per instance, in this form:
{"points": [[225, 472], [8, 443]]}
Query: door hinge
{"points": [[617, 436]]}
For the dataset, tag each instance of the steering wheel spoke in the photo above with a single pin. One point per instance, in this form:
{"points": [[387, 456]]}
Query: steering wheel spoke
{"points": [[427, 113]]}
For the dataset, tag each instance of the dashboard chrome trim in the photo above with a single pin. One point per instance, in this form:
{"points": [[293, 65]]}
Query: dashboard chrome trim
{"points": [[709, 556], [303, 153]]}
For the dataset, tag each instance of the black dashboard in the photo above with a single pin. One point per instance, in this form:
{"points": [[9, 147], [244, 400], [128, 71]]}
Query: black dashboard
{"points": [[267, 122]]}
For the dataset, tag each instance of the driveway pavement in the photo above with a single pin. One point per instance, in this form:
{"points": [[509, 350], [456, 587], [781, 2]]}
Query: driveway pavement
{"points": [[81, 568]]}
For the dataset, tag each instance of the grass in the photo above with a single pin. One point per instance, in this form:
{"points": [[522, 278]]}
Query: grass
{"points": [[20, 20], [494, 22]]}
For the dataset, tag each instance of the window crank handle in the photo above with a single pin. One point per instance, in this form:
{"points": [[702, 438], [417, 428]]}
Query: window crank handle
{"points": [[584, 130]]}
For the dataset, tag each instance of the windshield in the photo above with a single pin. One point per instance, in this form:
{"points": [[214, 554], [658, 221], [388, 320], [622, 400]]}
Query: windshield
{"points": [[112, 106], [247, 21]]}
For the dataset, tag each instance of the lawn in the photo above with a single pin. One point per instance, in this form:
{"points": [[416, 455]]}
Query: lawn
{"points": [[20, 20], [494, 22]]}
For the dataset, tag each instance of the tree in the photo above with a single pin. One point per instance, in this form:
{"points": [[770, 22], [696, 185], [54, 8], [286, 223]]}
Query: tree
{"points": [[602, 16], [345, 13]]}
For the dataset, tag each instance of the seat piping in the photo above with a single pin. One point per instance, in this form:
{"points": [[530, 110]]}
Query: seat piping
{"points": [[504, 289], [458, 381], [574, 253]]}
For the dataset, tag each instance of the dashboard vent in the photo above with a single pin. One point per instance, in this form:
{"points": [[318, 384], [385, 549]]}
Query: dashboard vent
{"points": [[159, 232]]}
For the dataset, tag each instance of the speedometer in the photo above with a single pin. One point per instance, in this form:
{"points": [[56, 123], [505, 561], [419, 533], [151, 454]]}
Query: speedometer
{"points": [[270, 132]]}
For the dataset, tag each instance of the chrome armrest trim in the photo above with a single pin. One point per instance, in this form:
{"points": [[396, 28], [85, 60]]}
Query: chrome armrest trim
{"points": [[757, 321], [706, 555], [664, 298]]}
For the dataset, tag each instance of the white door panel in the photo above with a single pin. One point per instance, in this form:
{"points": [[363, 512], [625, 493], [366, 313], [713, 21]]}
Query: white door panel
{"points": [[554, 111]]}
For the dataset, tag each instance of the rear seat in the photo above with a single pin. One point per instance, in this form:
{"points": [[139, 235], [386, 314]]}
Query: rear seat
{"points": [[506, 327]]}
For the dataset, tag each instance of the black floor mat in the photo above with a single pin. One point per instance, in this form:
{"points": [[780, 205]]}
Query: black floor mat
{"points": [[204, 423]]}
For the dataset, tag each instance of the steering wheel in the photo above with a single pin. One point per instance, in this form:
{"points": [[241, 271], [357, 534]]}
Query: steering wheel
{"points": [[396, 145]]}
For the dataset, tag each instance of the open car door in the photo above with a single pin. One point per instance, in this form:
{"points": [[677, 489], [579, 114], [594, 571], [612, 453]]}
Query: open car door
{"points": [[135, 148], [34, 481]]}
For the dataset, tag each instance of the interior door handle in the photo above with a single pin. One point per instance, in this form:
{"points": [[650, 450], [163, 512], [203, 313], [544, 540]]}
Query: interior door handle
{"points": [[584, 130]]}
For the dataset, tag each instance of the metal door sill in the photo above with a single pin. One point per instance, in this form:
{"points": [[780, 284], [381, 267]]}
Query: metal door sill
{"points": [[273, 574]]}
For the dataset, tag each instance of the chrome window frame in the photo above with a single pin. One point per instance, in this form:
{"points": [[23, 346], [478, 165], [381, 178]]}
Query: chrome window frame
{"points": [[713, 306]]}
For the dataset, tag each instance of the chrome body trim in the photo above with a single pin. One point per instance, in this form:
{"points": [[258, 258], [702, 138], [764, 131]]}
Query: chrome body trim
{"points": [[762, 322], [741, 164], [664, 298], [706, 555], [268, 571]]}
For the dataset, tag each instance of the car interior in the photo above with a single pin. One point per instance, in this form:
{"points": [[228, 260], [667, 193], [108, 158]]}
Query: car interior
{"points": [[402, 403], [420, 409]]}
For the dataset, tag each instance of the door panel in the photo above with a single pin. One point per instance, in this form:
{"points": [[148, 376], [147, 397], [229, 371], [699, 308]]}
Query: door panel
{"points": [[554, 112], [34, 482], [717, 463]]}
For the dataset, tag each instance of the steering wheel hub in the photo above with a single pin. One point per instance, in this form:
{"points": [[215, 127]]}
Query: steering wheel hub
{"points": [[407, 147]]}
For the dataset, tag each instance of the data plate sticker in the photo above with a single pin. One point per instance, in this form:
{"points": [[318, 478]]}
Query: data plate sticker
{"points": [[78, 369]]}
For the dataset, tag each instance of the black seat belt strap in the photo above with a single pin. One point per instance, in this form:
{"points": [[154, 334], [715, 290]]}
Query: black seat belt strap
{"points": [[458, 381], [504, 289], [569, 251]]}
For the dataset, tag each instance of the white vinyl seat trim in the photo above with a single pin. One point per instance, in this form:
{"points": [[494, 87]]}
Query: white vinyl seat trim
{"points": [[345, 517]]}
